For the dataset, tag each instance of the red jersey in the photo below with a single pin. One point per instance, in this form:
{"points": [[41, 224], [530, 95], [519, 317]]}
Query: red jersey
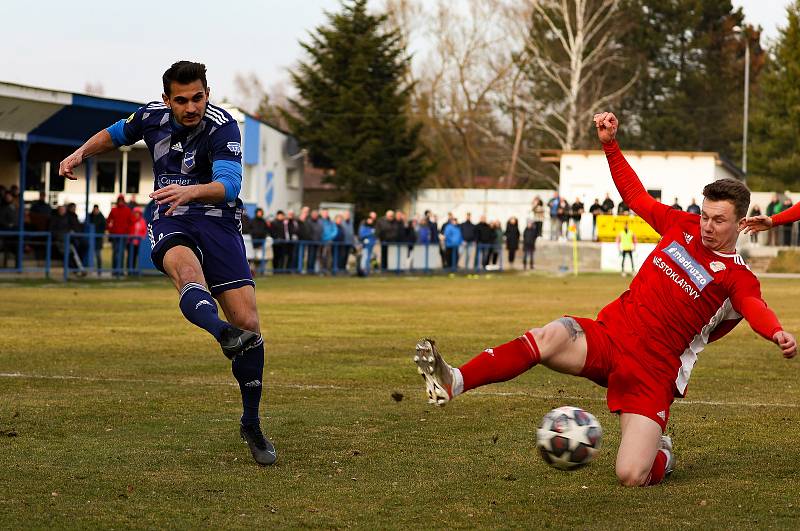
{"points": [[685, 295]]}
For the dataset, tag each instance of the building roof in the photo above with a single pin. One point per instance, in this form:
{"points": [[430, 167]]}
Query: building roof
{"points": [[37, 115], [554, 155]]}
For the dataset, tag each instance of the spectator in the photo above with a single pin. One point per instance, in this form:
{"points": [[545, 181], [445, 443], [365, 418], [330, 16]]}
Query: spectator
{"points": [[468, 230], [576, 213], [406, 232], [622, 209], [314, 236], [119, 224], [693, 208], [595, 210], [555, 217], [626, 243], [773, 207], [258, 233], [349, 236], [76, 227], [485, 240], [40, 213], [338, 256], [677, 205], [529, 244], [563, 216], [755, 211], [329, 231], [8, 222], [9, 216], [512, 240], [132, 204], [366, 237], [538, 216], [608, 205], [497, 243], [98, 221], [279, 230], [386, 232], [786, 230], [138, 232], [452, 241], [424, 234]]}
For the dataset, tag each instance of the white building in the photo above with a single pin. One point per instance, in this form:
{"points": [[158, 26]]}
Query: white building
{"points": [[666, 175], [39, 127]]}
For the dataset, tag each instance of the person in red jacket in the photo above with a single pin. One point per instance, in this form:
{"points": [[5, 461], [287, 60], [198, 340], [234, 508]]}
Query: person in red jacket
{"points": [[138, 232], [692, 289], [119, 224]]}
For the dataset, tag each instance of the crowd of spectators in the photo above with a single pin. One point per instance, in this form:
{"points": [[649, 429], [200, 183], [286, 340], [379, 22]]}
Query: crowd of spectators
{"points": [[314, 241], [125, 225]]}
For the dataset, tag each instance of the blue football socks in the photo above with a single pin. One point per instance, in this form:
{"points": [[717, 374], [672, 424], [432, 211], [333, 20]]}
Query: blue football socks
{"points": [[248, 369], [200, 309]]}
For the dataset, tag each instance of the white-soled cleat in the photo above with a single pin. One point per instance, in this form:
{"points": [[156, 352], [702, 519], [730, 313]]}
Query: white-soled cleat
{"points": [[435, 371]]}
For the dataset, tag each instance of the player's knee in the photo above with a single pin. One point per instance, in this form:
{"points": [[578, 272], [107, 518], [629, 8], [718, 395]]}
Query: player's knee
{"points": [[247, 322], [631, 475]]}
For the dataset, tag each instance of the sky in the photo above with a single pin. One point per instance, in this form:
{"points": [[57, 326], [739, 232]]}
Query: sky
{"points": [[126, 46]]}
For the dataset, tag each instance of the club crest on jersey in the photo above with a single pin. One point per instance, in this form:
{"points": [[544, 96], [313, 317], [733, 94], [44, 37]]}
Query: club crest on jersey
{"points": [[688, 237], [716, 267], [235, 148], [188, 159]]}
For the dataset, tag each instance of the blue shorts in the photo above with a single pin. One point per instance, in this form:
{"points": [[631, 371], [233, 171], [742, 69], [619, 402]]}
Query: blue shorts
{"points": [[217, 243]]}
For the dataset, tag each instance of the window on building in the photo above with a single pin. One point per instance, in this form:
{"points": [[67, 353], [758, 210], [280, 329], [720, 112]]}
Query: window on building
{"points": [[106, 174], [134, 175], [293, 178], [56, 180], [34, 176]]}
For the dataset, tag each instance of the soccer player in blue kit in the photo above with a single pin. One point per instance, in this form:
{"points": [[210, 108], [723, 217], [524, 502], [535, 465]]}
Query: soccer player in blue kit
{"points": [[196, 229]]}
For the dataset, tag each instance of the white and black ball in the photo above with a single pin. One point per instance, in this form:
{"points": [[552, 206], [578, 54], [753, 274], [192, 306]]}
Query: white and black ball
{"points": [[568, 437]]}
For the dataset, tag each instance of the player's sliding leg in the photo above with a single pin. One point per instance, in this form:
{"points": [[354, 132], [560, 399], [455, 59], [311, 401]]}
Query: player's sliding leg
{"points": [[645, 455], [197, 304], [560, 345], [240, 309]]}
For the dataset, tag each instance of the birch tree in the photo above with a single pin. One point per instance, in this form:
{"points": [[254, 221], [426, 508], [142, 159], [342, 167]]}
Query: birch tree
{"points": [[572, 48]]}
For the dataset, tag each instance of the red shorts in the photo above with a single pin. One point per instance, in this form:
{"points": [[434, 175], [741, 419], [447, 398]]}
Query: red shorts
{"points": [[614, 360]]}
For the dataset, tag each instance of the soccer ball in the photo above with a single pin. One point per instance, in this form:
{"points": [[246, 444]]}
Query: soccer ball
{"points": [[568, 437]]}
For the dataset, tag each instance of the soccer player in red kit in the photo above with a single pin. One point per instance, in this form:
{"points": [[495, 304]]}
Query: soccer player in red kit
{"points": [[692, 289]]}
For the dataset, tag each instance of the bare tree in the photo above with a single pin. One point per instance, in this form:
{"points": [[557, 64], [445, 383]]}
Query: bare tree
{"points": [[572, 47]]}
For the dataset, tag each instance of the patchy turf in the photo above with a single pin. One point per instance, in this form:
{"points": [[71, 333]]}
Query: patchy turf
{"points": [[115, 412]]}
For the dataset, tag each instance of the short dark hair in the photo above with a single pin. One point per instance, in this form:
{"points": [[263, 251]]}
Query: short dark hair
{"points": [[184, 72], [732, 190]]}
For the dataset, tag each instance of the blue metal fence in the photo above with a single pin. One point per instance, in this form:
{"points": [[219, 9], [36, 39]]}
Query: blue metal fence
{"points": [[83, 253]]}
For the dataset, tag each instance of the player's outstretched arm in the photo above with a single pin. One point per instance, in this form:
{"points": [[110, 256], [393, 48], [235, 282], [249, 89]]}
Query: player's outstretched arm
{"points": [[754, 224], [759, 223], [627, 182], [99, 143]]}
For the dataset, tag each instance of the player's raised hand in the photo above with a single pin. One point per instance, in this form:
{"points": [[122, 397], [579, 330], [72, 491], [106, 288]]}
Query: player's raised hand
{"points": [[607, 125], [756, 224], [786, 342], [174, 195], [67, 165]]}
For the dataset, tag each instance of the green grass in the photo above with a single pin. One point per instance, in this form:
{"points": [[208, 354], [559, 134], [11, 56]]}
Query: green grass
{"points": [[124, 415]]}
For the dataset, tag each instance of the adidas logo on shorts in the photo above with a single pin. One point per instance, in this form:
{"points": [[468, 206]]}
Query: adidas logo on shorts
{"points": [[254, 383]]}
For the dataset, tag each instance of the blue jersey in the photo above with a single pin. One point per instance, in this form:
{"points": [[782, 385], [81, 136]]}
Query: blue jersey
{"points": [[188, 156]]}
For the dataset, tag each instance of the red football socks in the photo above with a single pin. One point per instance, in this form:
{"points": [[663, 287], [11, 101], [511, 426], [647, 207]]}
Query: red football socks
{"points": [[501, 363], [658, 470]]}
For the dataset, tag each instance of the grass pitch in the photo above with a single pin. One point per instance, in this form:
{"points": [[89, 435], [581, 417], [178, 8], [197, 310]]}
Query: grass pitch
{"points": [[115, 412]]}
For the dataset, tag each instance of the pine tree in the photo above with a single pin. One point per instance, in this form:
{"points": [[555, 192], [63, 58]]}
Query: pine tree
{"points": [[689, 96], [775, 150], [352, 110]]}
